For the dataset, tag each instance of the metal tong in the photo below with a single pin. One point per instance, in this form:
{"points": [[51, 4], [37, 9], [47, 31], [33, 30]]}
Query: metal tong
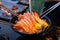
{"points": [[49, 10], [30, 8]]}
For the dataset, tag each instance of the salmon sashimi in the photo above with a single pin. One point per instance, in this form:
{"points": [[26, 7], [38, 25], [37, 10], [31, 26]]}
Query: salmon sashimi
{"points": [[20, 17], [30, 23]]}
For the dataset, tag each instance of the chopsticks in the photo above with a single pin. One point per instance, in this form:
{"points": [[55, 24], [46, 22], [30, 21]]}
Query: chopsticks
{"points": [[45, 12], [49, 10]]}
